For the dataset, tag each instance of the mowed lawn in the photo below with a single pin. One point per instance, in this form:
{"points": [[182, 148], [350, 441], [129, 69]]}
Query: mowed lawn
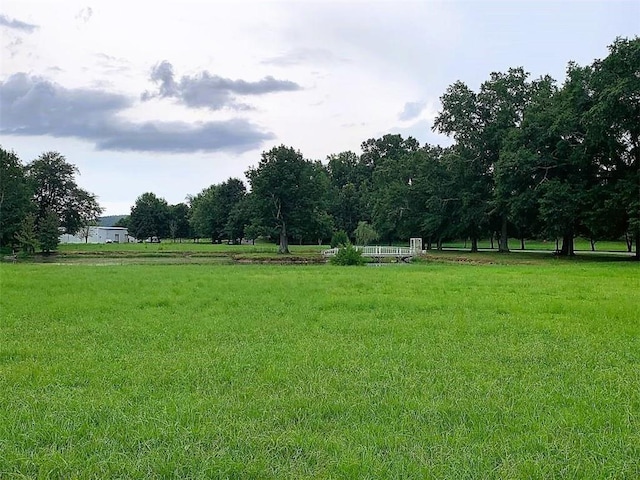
{"points": [[251, 371]]}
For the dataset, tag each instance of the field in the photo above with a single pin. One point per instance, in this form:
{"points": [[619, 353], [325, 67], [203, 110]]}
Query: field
{"points": [[428, 370]]}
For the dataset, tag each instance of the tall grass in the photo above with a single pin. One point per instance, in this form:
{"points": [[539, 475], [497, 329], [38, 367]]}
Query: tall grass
{"points": [[412, 371]]}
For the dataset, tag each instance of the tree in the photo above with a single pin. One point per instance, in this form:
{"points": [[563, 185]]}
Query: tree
{"points": [[349, 184], [365, 234], [81, 210], [480, 123], [52, 181], [438, 197], [149, 217], [287, 190], [85, 231], [204, 222], [49, 233], [526, 159], [462, 117], [229, 196], [26, 237], [565, 171], [614, 132], [237, 221], [179, 226], [14, 196], [212, 207]]}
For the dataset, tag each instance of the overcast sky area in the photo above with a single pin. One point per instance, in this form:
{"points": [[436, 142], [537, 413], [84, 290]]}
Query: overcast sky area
{"points": [[171, 97]]}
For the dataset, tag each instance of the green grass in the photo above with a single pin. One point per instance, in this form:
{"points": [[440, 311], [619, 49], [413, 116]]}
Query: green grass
{"points": [[248, 371], [167, 247], [580, 244]]}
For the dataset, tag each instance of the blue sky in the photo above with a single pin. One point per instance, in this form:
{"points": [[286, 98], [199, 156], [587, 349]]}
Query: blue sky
{"points": [[171, 97]]}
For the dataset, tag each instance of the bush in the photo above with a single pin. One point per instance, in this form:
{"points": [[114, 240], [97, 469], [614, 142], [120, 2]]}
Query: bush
{"points": [[348, 255], [339, 239]]}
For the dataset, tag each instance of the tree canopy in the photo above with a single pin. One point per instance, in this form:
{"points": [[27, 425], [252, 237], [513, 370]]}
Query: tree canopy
{"points": [[41, 197]]}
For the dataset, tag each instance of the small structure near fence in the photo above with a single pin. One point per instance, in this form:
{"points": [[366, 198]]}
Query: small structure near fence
{"points": [[380, 252]]}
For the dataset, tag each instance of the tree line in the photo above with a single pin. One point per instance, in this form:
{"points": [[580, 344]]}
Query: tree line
{"points": [[41, 200], [530, 159]]}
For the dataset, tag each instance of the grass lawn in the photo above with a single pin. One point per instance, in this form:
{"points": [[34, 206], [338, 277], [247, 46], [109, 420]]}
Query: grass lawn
{"points": [[428, 370]]}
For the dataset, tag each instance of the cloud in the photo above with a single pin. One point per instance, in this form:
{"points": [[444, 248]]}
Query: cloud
{"points": [[304, 55], [36, 106], [210, 91], [411, 110], [17, 24], [111, 65], [84, 15]]}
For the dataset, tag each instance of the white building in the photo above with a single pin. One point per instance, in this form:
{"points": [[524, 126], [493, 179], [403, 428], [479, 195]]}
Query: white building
{"points": [[98, 235]]}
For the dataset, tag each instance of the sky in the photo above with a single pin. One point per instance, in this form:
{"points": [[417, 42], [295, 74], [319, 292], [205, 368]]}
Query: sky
{"points": [[171, 97]]}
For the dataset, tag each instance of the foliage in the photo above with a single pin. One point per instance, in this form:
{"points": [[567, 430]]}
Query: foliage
{"points": [[48, 232], [287, 191], [81, 210], [365, 234], [14, 196], [339, 239], [348, 255], [149, 217], [52, 181], [27, 237], [211, 209], [179, 226]]}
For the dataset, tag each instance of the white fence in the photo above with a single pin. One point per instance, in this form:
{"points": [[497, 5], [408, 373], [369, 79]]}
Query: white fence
{"points": [[377, 251]]}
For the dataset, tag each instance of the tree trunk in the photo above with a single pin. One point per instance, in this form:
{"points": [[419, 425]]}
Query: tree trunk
{"points": [[474, 244], [637, 256], [593, 244], [429, 243], [522, 243], [503, 245], [567, 245], [284, 241], [491, 241], [439, 244], [629, 240]]}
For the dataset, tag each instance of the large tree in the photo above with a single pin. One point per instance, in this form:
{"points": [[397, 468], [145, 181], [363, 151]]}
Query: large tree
{"points": [[48, 232], [463, 118], [349, 185], [480, 123], [287, 191], [395, 213], [179, 226], [212, 207], [14, 196], [613, 127], [149, 217], [437, 195], [52, 181]]}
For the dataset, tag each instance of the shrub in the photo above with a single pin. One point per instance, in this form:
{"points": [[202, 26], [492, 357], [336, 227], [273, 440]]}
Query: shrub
{"points": [[348, 255], [339, 239]]}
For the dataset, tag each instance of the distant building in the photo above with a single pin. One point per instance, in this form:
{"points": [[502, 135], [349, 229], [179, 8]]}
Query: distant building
{"points": [[98, 235]]}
